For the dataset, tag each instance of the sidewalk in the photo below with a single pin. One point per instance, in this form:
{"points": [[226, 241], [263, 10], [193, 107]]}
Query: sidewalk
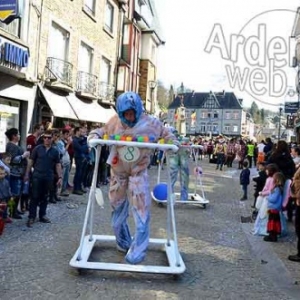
{"points": [[285, 245]]}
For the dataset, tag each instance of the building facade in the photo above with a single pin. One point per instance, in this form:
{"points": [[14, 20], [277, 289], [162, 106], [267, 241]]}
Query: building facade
{"points": [[77, 56], [17, 70], [137, 63], [209, 114], [296, 63]]}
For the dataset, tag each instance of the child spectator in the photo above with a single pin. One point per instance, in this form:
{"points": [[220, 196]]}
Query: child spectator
{"points": [[260, 181], [274, 208], [260, 225], [245, 180], [5, 159], [295, 189], [5, 194]]}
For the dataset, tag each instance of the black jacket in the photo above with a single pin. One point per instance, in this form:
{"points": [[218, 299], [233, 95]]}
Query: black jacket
{"points": [[260, 181], [245, 177]]}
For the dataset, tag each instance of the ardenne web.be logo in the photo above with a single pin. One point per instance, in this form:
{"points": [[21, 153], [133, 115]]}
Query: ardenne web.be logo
{"points": [[259, 58]]}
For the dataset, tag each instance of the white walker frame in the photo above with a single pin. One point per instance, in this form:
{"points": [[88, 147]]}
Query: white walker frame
{"points": [[193, 198], [87, 241]]}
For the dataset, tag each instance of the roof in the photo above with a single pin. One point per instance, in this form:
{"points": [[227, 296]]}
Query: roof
{"points": [[196, 100]]}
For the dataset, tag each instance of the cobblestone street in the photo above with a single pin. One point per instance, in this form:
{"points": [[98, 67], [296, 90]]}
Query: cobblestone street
{"points": [[223, 259]]}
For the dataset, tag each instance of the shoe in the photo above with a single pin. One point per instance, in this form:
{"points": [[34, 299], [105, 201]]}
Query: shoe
{"points": [[64, 193], [45, 220], [295, 258], [52, 201], [243, 199], [269, 238], [20, 212], [252, 206], [84, 190], [16, 216], [30, 223], [8, 220], [78, 193], [217, 168], [121, 249], [57, 199], [221, 169]]}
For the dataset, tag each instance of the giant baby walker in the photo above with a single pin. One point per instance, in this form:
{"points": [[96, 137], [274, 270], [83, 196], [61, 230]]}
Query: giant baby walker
{"points": [[80, 260], [193, 198]]}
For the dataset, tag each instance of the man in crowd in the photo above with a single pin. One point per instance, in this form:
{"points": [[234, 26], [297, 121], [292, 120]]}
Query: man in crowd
{"points": [[46, 162], [81, 151], [32, 139], [18, 167]]}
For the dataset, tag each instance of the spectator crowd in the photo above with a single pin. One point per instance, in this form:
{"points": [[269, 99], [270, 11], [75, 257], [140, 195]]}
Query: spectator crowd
{"points": [[40, 174]]}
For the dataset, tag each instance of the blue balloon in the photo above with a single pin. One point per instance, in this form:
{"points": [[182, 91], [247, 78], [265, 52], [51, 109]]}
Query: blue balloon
{"points": [[160, 192]]}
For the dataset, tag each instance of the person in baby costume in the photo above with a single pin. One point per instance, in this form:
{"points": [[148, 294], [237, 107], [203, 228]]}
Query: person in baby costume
{"points": [[129, 183], [179, 163]]}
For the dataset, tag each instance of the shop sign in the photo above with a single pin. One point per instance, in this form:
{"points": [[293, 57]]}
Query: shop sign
{"points": [[9, 10], [291, 107], [13, 55]]}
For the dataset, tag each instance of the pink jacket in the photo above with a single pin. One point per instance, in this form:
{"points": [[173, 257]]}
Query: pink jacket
{"points": [[269, 185]]}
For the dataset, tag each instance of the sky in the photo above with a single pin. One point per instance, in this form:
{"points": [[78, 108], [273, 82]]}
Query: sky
{"points": [[209, 43]]}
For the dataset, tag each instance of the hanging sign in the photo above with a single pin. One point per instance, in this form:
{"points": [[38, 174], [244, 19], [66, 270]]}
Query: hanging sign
{"points": [[9, 10]]}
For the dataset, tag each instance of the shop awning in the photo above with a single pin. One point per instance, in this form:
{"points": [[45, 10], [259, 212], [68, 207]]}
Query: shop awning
{"points": [[11, 88], [109, 112], [92, 111], [59, 104]]}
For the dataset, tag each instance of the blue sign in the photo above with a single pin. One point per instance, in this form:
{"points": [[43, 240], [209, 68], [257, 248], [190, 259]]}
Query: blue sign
{"points": [[13, 54], [291, 107], [9, 10]]}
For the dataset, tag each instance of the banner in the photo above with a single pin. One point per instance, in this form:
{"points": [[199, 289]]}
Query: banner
{"points": [[291, 107], [9, 10]]}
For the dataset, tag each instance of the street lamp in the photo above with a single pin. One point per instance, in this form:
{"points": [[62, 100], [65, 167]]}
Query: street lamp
{"points": [[152, 85], [279, 126]]}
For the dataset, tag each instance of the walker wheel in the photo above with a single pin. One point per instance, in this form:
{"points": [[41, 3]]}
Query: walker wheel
{"points": [[81, 271], [203, 206], [176, 277], [159, 204]]}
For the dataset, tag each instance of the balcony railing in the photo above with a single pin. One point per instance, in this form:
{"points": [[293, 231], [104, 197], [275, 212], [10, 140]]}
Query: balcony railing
{"points": [[59, 70], [106, 91], [86, 83]]}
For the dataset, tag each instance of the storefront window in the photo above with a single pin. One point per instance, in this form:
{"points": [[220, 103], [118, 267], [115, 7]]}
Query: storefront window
{"points": [[9, 117]]}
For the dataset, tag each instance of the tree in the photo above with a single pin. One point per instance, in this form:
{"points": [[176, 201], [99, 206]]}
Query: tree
{"points": [[253, 109], [262, 115], [162, 96]]}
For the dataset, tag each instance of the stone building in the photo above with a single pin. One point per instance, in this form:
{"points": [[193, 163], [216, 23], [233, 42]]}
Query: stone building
{"points": [[17, 68], [78, 43], [65, 61], [296, 63], [137, 68]]}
